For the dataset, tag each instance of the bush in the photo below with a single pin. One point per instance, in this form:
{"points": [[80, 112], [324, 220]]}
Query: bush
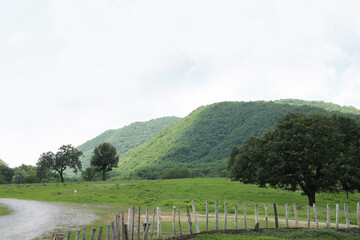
{"points": [[177, 172], [31, 179]]}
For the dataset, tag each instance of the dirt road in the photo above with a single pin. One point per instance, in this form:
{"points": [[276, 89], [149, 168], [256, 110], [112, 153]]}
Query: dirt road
{"points": [[32, 219]]}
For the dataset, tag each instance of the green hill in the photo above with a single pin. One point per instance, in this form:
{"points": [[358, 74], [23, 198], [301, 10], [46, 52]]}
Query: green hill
{"points": [[126, 138], [202, 141]]}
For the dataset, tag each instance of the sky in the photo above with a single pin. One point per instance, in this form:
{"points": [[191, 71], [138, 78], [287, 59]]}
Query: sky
{"points": [[71, 69]]}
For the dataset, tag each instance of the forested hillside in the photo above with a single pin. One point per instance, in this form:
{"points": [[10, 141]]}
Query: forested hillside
{"points": [[127, 137], [202, 141]]}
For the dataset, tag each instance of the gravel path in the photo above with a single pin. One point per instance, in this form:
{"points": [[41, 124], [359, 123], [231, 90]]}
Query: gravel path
{"points": [[32, 219]]}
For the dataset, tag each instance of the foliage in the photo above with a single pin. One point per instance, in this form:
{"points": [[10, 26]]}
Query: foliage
{"points": [[89, 174], [177, 172], [31, 179], [204, 139], [126, 138], [6, 174], [105, 158], [67, 156], [22, 172], [314, 152]]}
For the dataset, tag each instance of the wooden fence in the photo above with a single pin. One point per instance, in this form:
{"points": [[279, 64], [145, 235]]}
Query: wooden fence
{"points": [[119, 229]]}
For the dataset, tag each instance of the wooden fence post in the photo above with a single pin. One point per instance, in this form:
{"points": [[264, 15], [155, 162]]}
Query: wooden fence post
{"points": [[180, 229], [173, 220], [296, 216], [117, 226], [256, 216], [195, 218], [146, 230], [189, 218], [266, 216], [276, 216], [152, 224], [133, 224], [100, 233], [68, 235], [316, 216], [245, 220], [308, 216], [216, 215], [337, 216], [236, 216], [159, 222], [207, 215], [129, 220], [328, 215], [287, 215], [346, 209], [107, 232], [78, 235], [138, 223], [358, 214], [92, 235], [113, 230], [84, 234], [225, 215]]}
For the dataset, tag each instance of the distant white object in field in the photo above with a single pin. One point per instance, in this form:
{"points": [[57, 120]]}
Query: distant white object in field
{"points": [[75, 192]]}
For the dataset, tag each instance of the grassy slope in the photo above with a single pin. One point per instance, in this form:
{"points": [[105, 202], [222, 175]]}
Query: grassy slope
{"points": [[205, 138], [127, 137]]}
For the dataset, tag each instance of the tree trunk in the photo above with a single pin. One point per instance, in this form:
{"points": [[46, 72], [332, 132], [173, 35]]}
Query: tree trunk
{"points": [[311, 197], [104, 175], [61, 176]]}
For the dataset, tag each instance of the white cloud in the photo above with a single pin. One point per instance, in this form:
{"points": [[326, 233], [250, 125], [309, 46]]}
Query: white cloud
{"points": [[77, 68]]}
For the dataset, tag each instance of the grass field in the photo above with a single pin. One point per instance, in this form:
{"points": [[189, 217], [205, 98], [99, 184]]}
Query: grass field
{"points": [[168, 193]]}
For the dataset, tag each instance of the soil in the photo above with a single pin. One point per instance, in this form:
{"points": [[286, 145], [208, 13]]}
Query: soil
{"points": [[33, 219]]}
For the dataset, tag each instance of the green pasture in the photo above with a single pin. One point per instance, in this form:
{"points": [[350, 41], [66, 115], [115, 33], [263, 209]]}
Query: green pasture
{"points": [[121, 195]]}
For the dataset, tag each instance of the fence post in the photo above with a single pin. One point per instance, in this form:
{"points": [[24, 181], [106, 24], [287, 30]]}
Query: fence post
{"points": [[216, 215], [133, 224], [236, 216], [173, 220], [245, 222], [266, 216], [287, 215], [180, 229], [84, 234], [296, 216], [129, 220], [256, 216], [337, 216], [358, 213], [159, 222], [92, 235], [68, 235], [153, 223], [195, 218], [346, 209], [328, 215], [308, 216], [138, 223], [189, 218], [207, 215], [113, 230], [316, 216], [107, 232], [100, 233], [78, 235], [276, 216], [146, 230], [117, 226], [225, 215]]}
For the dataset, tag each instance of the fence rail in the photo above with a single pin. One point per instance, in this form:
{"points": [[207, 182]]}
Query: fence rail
{"points": [[121, 230]]}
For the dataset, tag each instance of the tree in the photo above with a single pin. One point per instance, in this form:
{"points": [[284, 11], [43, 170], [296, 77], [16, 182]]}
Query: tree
{"points": [[89, 173], [67, 156], [104, 159], [6, 174], [316, 153]]}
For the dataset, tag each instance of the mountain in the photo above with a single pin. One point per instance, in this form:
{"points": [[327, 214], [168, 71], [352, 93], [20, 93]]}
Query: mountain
{"points": [[126, 138], [202, 141]]}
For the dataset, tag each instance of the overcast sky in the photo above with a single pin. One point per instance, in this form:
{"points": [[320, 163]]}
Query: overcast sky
{"points": [[71, 69]]}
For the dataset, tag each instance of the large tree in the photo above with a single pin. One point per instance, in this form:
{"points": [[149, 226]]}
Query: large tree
{"points": [[6, 173], [104, 159], [67, 156], [316, 153]]}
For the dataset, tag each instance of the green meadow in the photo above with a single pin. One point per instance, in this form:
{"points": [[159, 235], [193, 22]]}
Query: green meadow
{"points": [[120, 195]]}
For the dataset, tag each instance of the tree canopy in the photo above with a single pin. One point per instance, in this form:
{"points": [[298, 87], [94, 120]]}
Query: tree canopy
{"points": [[67, 156], [313, 152], [105, 158]]}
